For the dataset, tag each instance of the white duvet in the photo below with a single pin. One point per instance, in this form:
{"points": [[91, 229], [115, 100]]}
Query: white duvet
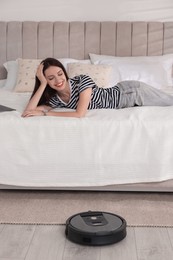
{"points": [[106, 147]]}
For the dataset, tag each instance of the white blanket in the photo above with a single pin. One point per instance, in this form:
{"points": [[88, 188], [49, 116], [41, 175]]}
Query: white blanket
{"points": [[106, 147]]}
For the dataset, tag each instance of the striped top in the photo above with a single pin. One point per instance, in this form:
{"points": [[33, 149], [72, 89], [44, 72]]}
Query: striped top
{"points": [[100, 97]]}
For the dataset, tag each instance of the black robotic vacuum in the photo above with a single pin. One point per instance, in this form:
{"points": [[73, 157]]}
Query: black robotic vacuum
{"points": [[95, 228]]}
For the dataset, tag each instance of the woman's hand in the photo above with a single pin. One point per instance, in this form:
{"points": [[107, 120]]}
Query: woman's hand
{"points": [[29, 113], [40, 74]]}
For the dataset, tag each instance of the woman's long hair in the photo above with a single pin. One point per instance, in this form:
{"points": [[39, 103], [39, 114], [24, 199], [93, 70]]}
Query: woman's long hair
{"points": [[48, 92]]}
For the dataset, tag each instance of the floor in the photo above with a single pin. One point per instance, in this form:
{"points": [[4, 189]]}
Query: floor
{"points": [[48, 242]]}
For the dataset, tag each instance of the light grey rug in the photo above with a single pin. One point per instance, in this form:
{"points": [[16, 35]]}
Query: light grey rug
{"points": [[54, 207]]}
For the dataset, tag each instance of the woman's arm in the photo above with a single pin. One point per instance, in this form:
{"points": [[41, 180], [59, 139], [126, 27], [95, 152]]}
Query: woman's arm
{"points": [[84, 99], [33, 102]]}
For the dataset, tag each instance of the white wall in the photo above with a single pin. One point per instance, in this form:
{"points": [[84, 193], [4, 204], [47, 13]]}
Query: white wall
{"points": [[82, 10]]}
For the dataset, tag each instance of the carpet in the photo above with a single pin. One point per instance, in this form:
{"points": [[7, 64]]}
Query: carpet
{"points": [[54, 207]]}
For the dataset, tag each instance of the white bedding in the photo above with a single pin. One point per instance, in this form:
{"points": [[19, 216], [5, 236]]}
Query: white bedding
{"points": [[106, 147]]}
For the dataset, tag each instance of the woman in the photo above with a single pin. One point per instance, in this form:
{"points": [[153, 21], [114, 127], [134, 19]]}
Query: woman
{"points": [[53, 89]]}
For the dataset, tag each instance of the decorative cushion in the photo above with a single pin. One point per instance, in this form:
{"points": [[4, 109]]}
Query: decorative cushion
{"points": [[100, 74], [26, 75]]}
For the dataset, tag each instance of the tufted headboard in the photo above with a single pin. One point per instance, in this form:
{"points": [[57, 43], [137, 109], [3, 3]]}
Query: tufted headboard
{"points": [[30, 39]]}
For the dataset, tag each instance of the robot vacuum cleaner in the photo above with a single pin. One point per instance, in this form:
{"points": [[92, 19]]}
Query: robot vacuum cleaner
{"points": [[95, 228]]}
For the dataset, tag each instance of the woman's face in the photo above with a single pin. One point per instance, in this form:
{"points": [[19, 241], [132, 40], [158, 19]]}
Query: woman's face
{"points": [[56, 78]]}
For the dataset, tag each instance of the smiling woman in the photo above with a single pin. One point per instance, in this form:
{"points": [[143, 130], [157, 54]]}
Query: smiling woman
{"points": [[57, 80], [54, 89]]}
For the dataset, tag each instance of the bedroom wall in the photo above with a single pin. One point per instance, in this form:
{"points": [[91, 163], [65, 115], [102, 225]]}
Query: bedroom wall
{"points": [[97, 10]]}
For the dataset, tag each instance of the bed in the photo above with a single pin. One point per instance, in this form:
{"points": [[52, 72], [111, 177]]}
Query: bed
{"points": [[128, 149]]}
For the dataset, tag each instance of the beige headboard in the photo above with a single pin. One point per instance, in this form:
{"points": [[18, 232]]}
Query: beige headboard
{"points": [[32, 39]]}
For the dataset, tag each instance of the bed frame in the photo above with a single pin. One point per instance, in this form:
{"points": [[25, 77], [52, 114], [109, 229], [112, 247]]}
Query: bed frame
{"points": [[30, 39]]}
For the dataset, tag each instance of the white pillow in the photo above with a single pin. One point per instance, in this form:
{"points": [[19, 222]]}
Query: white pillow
{"points": [[27, 70], [66, 61], [12, 68], [2, 82], [153, 70], [100, 74]]}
